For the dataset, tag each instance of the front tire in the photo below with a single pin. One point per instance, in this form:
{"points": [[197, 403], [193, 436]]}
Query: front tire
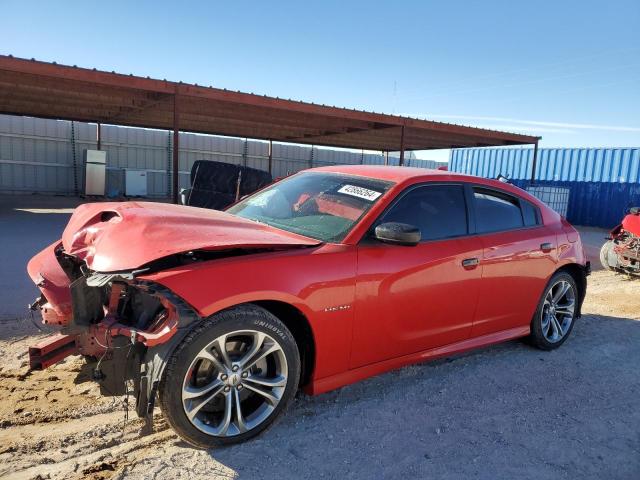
{"points": [[556, 313], [230, 378], [606, 254]]}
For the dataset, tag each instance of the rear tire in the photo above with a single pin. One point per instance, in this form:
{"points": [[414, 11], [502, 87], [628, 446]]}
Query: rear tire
{"points": [[556, 313], [213, 397]]}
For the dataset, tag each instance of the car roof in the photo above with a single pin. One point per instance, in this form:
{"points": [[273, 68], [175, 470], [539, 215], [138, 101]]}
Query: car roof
{"points": [[383, 172], [404, 175]]}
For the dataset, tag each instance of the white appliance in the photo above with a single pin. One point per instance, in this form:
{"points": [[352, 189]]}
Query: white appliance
{"points": [[95, 162], [135, 183]]}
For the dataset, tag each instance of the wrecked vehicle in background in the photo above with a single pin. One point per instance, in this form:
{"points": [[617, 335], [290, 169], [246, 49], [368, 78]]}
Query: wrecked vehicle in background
{"points": [[320, 280], [621, 252]]}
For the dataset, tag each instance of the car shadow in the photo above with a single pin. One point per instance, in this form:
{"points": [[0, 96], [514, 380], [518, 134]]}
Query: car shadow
{"points": [[506, 408]]}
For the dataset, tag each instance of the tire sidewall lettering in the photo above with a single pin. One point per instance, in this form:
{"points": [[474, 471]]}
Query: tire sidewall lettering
{"points": [[271, 328]]}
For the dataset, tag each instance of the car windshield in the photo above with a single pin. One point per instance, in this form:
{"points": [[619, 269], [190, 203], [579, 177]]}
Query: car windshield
{"points": [[320, 205]]}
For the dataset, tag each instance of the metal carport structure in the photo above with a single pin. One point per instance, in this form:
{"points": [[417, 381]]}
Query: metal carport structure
{"points": [[49, 90]]}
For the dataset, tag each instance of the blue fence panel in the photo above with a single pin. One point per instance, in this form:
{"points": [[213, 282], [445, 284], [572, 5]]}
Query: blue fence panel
{"points": [[604, 182], [554, 164], [595, 204]]}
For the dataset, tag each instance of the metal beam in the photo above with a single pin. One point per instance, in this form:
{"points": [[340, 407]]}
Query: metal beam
{"points": [[340, 131], [176, 147], [270, 165], [99, 135], [154, 99], [65, 88]]}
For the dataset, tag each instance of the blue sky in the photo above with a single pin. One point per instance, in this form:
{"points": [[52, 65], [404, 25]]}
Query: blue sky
{"points": [[566, 70]]}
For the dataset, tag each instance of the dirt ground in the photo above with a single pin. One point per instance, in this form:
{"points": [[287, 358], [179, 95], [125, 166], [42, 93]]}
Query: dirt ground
{"points": [[502, 412]]}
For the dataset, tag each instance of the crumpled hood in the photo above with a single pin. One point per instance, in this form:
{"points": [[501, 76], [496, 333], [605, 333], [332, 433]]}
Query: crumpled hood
{"points": [[117, 236]]}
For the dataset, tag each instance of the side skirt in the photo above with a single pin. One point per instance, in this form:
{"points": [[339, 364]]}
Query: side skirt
{"points": [[326, 384]]}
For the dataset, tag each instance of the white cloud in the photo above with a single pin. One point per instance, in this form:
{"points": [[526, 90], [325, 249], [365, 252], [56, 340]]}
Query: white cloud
{"points": [[522, 124], [523, 128]]}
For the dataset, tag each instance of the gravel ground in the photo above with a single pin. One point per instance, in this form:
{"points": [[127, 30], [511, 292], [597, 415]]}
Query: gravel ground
{"points": [[502, 412]]}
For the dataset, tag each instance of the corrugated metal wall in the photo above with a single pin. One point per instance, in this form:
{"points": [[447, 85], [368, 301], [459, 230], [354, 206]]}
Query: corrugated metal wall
{"points": [[37, 155], [554, 164], [604, 182]]}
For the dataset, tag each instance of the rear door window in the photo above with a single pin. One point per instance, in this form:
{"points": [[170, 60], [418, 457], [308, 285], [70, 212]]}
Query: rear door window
{"points": [[496, 211], [439, 211]]}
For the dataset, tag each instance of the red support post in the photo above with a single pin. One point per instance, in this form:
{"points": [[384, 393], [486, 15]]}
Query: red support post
{"points": [[99, 135], [176, 148], [402, 146]]}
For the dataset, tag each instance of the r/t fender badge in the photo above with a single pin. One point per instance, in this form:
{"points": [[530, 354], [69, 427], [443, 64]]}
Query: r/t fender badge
{"points": [[337, 308]]}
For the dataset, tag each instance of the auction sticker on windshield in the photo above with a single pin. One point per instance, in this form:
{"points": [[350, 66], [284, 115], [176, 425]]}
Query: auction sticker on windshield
{"points": [[360, 192]]}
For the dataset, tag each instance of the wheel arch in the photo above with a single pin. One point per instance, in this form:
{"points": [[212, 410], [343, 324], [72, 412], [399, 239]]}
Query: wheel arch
{"points": [[579, 274], [300, 327], [293, 317]]}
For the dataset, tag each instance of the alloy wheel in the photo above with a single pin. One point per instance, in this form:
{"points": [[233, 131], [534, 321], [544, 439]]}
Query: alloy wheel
{"points": [[234, 383], [558, 311]]}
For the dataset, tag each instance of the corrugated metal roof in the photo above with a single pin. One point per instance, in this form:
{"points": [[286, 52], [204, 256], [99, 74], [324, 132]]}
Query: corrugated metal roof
{"points": [[40, 89], [618, 165]]}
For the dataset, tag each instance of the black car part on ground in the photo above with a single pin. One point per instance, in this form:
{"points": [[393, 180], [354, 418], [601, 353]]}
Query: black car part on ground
{"points": [[217, 185]]}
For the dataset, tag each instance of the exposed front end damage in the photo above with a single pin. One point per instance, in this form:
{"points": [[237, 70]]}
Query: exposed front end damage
{"points": [[94, 291], [122, 324]]}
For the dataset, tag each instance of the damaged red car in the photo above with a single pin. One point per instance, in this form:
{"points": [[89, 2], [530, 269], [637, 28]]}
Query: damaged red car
{"points": [[325, 278], [621, 251]]}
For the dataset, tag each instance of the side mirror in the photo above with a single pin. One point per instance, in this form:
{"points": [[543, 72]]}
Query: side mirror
{"points": [[398, 234], [185, 195]]}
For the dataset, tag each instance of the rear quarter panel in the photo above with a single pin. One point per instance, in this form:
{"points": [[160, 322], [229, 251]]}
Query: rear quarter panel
{"points": [[570, 248], [568, 243]]}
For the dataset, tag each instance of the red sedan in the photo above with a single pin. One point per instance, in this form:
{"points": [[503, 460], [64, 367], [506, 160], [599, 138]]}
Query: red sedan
{"points": [[320, 280]]}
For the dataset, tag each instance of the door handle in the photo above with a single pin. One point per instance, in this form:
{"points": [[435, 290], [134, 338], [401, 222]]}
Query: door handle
{"points": [[470, 263], [546, 247]]}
